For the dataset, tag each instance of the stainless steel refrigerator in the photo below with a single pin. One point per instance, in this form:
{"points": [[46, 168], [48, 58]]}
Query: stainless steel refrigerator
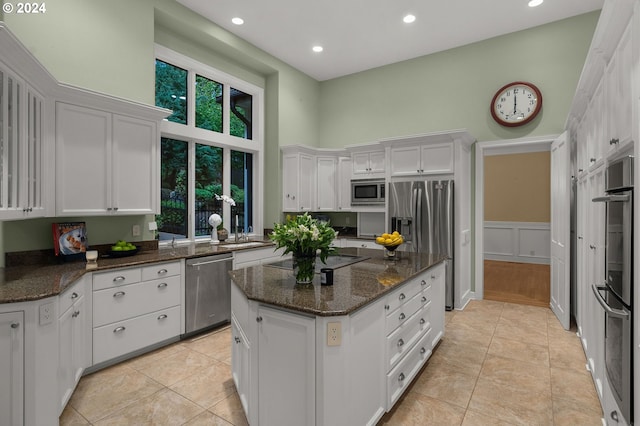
{"points": [[422, 212]]}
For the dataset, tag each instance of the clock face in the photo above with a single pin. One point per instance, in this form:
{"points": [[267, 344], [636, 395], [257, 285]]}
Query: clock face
{"points": [[516, 104]]}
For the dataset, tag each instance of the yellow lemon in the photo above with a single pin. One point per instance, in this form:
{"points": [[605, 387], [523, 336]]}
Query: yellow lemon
{"points": [[380, 240], [387, 240], [395, 233]]}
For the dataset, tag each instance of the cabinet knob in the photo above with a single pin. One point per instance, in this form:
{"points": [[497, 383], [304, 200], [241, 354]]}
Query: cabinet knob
{"points": [[592, 247], [119, 294], [614, 141], [119, 329], [402, 316], [423, 282], [162, 271], [119, 278], [237, 339], [592, 160], [259, 319], [423, 351], [401, 377], [400, 343], [579, 238], [433, 277], [74, 295], [614, 416], [580, 170], [386, 307], [109, 209], [363, 245], [75, 314], [163, 316], [424, 299], [115, 209], [422, 321], [402, 296], [162, 285], [15, 325]]}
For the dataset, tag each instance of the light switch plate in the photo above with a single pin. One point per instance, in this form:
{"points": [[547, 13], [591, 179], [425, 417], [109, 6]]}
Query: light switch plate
{"points": [[135, 231]]}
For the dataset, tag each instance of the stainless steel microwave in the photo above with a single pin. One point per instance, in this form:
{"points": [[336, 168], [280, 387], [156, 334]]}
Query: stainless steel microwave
{"points": [[367, 192]]}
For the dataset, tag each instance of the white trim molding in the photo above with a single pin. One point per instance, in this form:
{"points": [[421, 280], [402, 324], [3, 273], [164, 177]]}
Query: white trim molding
{"points": [[524, 242]]}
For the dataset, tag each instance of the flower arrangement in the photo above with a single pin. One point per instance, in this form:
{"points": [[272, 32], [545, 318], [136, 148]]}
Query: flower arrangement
{"points": [[228, 200], [305, 237]]}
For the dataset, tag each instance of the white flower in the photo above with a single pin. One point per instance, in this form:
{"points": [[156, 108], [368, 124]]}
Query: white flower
{"points": [[225, 198]]}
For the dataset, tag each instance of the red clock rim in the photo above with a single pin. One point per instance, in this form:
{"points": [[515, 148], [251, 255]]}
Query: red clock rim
{"points": [[533, 87]]}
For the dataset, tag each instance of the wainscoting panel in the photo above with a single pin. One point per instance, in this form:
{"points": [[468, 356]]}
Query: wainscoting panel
{"points": [[526, 242]]}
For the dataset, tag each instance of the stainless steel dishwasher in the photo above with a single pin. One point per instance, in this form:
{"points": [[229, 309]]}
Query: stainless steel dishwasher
{"points": [[207, 292]]}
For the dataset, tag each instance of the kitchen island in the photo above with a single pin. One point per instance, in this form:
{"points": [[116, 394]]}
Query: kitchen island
{"points": [[334, 355]]}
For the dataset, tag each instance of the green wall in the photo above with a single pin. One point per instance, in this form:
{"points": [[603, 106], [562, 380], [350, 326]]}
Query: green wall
{"points": [[453, 89], [108, 46]]}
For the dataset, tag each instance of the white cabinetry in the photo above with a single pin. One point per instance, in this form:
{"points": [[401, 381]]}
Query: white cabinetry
{"points": [[344, 184], [368, 164], [12, 368], [22, 122], [298, 171], [426, 159], [72, 326], [135, 308], [106, 163], [326, 183]]}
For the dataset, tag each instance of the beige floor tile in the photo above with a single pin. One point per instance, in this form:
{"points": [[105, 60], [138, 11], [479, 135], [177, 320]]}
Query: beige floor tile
{"points": [[491, 306], [567, 354], [464, 357], [534, 314], [216, 345], [473, 418], [576, 388], [446, 384], [522, 330], [144, 360], [162, 408], [521, 351], [207, 387], [177, 366], [207, 419], [482, 322], [511, 403], [109, 390], [420, 410], [71, 417], [565, 413], [511, 372], [468, 333], [448, 315], [230, 409]]}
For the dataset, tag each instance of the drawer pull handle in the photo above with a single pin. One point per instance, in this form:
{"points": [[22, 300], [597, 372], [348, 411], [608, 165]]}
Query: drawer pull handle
{"points": [[402, 316], [614, 416], [401, 377], [162, 271], [402, 296], [163, 316], [424, 299], [119, 294], [237, 339], [423, 282], [119, 329], [400, 343], [74, 295], [15, 325], [422, 321], [162, 285], [119, 278], [423, 350]]}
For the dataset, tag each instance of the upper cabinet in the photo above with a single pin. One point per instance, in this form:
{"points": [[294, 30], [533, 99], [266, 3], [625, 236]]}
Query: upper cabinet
{"points": [[368, 164], [106, 163], [24, 133], [425, 159], [298, 177], [326, 181]]}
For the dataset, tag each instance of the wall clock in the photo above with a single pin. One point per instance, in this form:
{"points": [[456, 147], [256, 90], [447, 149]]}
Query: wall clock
{"points": [[516, 104]]}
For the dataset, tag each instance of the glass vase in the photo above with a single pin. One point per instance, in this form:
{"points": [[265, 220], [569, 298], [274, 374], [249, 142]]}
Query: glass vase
{"points": [[304, 267]]}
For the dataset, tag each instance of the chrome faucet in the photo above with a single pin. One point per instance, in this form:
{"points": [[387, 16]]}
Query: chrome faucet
{"points": [[236, 228]]}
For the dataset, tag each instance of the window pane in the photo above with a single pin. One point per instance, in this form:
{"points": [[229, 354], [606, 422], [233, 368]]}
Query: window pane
{"points": [[241, 112], [208, 104], [241, 189], [172, 220], [208, 183], [171, 90]]}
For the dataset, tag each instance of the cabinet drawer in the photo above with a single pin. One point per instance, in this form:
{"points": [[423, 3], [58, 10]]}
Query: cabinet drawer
{"points": [[403, 295], [117, 304], [405, 336], [113, 340], [401, 376], [116, 278], [70, 295], [403, 313], [160, 270]]}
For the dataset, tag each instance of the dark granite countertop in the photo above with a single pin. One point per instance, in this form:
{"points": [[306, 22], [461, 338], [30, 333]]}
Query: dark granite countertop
{"points": [[354, 286], [33, 282]]}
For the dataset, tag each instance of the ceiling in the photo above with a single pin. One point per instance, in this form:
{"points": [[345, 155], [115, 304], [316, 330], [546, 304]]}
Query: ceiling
{"points": [[362, 34]]}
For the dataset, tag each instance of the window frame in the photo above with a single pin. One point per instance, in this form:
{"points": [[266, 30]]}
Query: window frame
{"points": [[192, 135]]}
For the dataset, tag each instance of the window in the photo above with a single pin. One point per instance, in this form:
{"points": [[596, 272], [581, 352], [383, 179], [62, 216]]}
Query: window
{"points": [[211, 146]]}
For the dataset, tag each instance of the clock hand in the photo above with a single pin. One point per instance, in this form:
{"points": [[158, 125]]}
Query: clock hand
{"points": [[515, 97]]}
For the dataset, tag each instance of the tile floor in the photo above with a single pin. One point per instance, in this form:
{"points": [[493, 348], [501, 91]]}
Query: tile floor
{"points": [[499, 364]]}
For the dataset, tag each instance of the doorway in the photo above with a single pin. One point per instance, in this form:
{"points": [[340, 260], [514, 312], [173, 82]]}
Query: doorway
{"points": [[513, 197]]}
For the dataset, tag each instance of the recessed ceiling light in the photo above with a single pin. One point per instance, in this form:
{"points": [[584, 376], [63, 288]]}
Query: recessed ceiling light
{"points": [[237, 21], [317, 49], [534, 3], [409, 19]]}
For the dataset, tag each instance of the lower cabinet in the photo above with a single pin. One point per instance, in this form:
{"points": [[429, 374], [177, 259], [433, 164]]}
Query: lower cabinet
{"points": [[135, 308], [72, 325], [12, 368]]}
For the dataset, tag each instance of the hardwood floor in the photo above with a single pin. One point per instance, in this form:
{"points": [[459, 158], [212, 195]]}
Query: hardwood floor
{"points": [[524, 283]]}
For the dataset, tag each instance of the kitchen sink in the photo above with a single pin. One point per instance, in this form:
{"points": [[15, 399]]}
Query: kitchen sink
{"points": [[242, 245]]}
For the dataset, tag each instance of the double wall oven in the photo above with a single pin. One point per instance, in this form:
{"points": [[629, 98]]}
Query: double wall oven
{"points": [[616, 295]]}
